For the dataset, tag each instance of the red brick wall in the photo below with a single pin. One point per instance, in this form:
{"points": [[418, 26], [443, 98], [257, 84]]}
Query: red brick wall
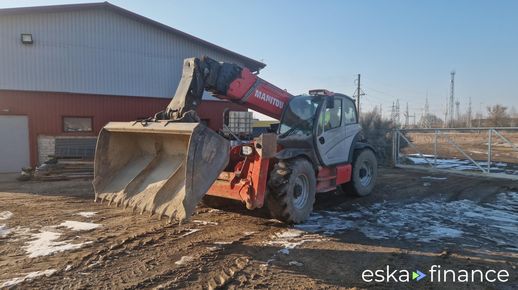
{"points": [[46, 110]]}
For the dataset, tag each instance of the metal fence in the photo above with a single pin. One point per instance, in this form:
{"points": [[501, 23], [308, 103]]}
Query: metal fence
{"points": [[431, 154]]}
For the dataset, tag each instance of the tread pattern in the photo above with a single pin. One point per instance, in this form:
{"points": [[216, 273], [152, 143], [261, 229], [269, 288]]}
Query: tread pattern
{"points": [[278, 196]]}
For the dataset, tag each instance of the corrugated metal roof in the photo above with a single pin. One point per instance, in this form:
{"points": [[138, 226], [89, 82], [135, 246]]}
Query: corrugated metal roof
{"points": [[252, 64]]}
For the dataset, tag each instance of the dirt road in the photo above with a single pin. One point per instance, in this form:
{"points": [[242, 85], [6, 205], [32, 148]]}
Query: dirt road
{"points": [[52, 235]]}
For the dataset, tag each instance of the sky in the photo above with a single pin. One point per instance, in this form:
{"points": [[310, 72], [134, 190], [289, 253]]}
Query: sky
{"points": [[403, 49]]}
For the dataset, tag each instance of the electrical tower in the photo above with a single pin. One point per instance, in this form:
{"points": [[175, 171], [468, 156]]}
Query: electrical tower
{"points": [[398, 120], [425, 119], [468, 123], [452, 98], [394, 113], [446, 108], [457, 111]]}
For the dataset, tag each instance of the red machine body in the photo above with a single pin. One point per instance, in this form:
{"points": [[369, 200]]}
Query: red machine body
{"points": [[246, 176]]}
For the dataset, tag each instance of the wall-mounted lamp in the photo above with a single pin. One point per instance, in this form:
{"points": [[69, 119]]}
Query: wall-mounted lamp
{"points": [[6, 110], [26, 38]]}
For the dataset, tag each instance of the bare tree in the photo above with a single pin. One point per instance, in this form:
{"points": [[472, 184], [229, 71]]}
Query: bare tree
{"points": [[431, 121], [379, 134], [514, 117], [497, 116]]}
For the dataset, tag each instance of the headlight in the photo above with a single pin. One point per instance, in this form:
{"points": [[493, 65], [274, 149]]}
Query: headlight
{"points": [[247, 150]]}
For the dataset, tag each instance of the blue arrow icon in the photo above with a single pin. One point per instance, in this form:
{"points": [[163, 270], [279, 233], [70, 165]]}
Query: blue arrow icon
{"points": [[418, 275]]}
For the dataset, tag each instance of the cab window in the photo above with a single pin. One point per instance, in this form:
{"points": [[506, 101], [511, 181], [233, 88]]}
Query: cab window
{"points": [[332, 116], [349, 112]]}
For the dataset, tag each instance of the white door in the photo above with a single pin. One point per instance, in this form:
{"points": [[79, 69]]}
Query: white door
{"points": [[331, 134], [14, 143]]}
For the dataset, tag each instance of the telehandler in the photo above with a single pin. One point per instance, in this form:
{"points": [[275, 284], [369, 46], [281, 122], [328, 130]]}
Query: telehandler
{"points": [[165, 164]]}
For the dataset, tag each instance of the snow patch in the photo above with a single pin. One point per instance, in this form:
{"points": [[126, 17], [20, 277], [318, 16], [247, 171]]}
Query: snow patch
{"points": [[223, 243], [5, 215], [427, 221], [28, 277], [292, 238], [295, 263], [184, 260], [79, 226], [205, 222], [4, 231], [434, 178], [458, 164], [87, 214], [189, 232], [45, 243]]}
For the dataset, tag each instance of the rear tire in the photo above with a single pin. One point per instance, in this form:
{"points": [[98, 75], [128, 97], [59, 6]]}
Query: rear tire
{"points": [[291, 190], [364, 174]]}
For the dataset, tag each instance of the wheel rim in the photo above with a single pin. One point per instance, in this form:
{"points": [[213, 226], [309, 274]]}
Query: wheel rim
{"points": [[301, 191], [366, 173]]}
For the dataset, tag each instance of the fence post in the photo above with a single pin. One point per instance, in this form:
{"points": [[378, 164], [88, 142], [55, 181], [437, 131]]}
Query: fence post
{"points": [[394, 147], [435, 148]]}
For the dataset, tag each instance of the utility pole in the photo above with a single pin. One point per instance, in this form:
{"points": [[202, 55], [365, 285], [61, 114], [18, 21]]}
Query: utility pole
{"points": [[407, 116], [358, 94]]}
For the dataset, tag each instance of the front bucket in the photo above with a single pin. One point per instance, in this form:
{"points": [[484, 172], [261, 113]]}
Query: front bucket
{"points": [[161, 168]]}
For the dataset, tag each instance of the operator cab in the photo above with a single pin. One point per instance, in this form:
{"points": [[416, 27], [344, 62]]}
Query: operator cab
{"points": [[321, 125]]}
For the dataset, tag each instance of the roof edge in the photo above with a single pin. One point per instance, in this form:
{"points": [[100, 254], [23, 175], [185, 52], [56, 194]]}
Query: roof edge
{"points": [[253, 64]]}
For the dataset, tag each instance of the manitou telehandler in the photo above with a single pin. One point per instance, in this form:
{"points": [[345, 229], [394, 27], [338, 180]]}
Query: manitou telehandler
{"points": [[164, 165]]}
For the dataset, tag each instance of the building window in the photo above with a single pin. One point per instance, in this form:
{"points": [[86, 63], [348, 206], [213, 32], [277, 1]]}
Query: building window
{"points": [[77, 124]]}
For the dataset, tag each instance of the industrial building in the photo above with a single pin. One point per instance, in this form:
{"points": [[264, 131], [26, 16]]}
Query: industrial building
{"points": [[67, 70]]}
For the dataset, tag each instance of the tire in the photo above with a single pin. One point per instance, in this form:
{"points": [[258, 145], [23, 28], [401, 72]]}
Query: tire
{"points": [[364, 174], [291, 191]]}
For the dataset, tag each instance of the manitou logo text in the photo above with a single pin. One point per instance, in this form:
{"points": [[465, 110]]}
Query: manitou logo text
{"points": [[269, 99]]}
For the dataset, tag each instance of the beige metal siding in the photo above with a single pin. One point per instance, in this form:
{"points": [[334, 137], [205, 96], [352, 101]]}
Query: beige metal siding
{"points": [[93, 51]]}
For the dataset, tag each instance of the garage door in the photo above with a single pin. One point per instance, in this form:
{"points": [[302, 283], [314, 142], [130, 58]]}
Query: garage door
{"points": [[14, 143]]}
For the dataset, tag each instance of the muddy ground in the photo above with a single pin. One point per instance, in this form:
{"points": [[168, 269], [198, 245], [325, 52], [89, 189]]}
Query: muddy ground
{"points": [[52, 235]]}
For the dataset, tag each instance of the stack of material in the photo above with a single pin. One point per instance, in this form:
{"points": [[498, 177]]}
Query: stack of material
{"points": [[64, 169]]}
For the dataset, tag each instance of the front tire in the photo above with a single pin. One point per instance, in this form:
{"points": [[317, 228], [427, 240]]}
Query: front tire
{"points": [[291, 190], [364, 175]]}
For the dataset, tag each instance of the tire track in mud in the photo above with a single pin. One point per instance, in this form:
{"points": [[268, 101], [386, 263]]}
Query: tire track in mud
{"points": [[147, 259]]}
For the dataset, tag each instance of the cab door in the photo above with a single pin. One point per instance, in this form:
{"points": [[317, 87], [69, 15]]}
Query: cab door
{"points": [[331, 132], [350, 122]]}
